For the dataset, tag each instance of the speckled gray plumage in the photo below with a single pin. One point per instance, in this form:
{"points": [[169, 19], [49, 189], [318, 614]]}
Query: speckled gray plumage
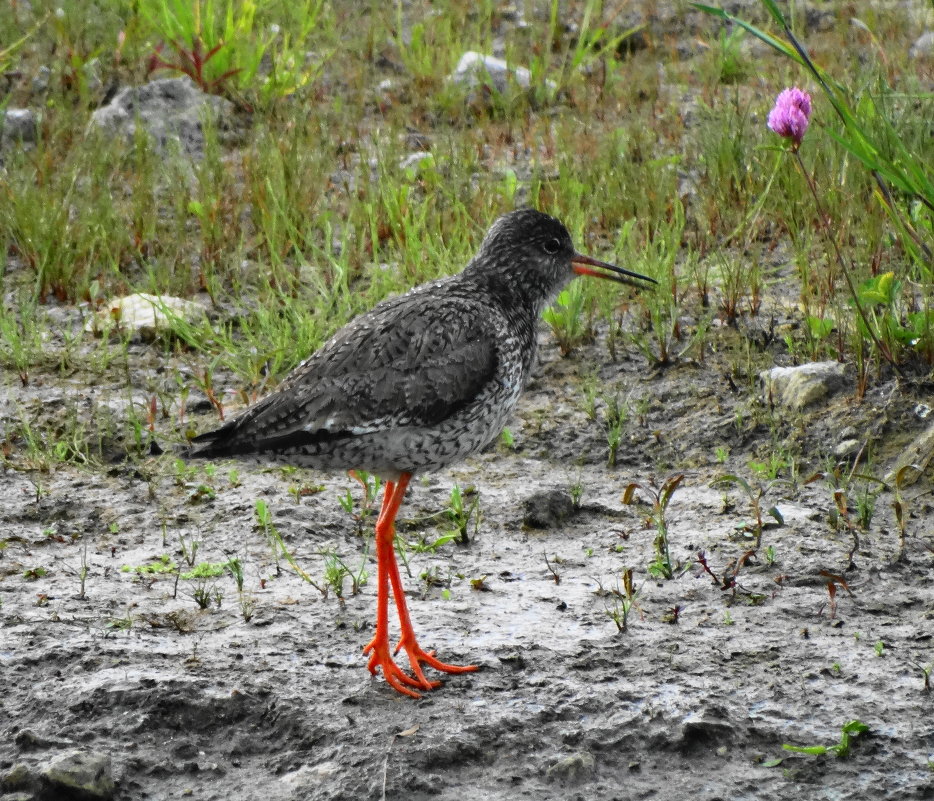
{"points": [[423, 379]]}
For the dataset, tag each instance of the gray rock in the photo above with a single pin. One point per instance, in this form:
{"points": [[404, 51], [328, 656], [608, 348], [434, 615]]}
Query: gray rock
{"points": [[798, 387], [573, 768], [923, 46], [170, 110], [82, 773], [547, 508], [917, 455], [19, 125], [476, 69], [18, 777], [704, 732]]}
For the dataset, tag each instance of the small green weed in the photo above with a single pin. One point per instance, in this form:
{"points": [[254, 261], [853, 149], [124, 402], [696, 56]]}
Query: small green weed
{"points": [[460, 514], [336, 572], [661, 566], [507, 439], [276, 545], [206, 589], [623, 601], [756, 495], [848, 733], [615, 415], [566, 318], [34, 573], [161, 565], [234, 44], [840, 481], [370, 485]]}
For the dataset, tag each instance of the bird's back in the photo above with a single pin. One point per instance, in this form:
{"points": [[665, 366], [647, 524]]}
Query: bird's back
{"points": [[418, 382]]}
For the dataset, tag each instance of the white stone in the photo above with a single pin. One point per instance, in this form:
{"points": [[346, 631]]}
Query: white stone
{"points": [[143, 313], [847, 447], [475, 69], [797, 387]]}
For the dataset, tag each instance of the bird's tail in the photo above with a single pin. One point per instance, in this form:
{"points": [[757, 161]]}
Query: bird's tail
{"points": [[212, 444]]}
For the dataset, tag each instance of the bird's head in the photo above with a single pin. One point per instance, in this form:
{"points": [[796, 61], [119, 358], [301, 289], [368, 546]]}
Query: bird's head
{"points": [[535, 251]]}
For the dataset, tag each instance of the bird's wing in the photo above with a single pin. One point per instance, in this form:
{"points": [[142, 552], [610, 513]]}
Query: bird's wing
{"points": [[404, 363]]}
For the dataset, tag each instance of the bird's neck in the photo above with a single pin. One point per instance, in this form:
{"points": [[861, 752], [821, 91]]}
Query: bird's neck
{"points": [[520, 293], [521, 302]]}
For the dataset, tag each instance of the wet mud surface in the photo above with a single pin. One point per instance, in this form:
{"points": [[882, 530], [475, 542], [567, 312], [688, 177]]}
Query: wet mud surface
{"points": [[265, 693]]}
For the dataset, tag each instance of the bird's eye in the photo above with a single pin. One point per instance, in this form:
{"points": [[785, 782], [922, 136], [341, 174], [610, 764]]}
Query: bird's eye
{"points": [[552, 246]]}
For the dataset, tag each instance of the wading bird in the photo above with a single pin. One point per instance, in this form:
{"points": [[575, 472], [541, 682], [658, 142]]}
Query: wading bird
{"points": [[418, 383]]}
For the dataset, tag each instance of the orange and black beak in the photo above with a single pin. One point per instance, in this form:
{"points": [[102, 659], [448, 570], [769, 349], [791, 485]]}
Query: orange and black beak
{"points": [[618, 274]]}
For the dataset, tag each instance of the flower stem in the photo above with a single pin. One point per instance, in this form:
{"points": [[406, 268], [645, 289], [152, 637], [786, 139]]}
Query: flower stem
{"points": [[825, 223]]}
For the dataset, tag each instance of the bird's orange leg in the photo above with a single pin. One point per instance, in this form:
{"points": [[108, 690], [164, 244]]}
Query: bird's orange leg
{"points": [[387, 572], [379, 645], [407, 640]]}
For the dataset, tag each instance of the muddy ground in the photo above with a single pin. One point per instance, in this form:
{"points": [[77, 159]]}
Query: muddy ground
{"points": [[695, 699]]}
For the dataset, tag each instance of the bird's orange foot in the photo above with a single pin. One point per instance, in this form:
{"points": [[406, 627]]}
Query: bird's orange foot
{"points": [[396, 677], [417, 656]]}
